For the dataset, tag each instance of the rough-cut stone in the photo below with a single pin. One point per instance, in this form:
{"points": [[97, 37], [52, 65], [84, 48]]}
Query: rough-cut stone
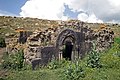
{"points": [[44, 44]]}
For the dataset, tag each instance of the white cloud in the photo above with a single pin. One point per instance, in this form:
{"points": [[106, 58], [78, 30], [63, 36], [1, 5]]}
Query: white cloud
{"points": [[83, 17], [45, 9], [115, 3], [106, 10], [77, 5], [98, 10], [91, 18]]}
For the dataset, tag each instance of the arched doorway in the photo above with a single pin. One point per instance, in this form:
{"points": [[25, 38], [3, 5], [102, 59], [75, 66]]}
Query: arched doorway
{"points": [[66, 44], [67, 51]]}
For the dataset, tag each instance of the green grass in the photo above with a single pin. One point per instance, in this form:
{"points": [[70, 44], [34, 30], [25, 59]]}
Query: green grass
{"points": [[34, 75], [110, 70], [102, 74]]}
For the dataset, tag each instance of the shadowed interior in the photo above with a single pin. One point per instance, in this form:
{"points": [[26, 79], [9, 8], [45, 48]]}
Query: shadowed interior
{"points": [[67, 52]]}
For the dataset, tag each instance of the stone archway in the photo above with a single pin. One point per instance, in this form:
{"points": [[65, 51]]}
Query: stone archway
{"points": [[66, 44]]}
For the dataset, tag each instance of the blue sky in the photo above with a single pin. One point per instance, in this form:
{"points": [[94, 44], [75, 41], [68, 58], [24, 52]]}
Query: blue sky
{"points": [[70, 13], [11, 6]]}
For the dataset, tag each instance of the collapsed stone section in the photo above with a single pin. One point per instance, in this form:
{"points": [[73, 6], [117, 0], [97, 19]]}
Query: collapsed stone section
{"points": [[37, 42], [104, 38]]}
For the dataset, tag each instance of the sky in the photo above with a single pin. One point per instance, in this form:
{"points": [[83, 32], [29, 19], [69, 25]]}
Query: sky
{"points": [[95, 11]]}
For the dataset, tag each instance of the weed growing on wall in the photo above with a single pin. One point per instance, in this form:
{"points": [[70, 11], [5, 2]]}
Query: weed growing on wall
{"points": [[13, 61], [93, 60]]}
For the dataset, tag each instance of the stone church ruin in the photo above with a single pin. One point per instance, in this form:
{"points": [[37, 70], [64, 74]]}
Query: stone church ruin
{"points": [[70, 40]]}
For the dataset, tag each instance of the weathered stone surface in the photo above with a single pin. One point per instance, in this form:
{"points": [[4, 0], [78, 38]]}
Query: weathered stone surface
{"points": [[47, 53], [104, 39], [44, 44]]}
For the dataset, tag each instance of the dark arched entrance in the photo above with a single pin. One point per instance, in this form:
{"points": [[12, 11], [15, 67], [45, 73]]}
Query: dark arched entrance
{"points": [[67, 52], [66, 44]]}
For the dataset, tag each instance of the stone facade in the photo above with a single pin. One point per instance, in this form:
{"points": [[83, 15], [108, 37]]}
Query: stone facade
{"points": [[70, 40]]}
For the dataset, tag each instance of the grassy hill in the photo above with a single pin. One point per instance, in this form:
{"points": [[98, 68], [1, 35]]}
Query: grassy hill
{"points": [[8, 24]]}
